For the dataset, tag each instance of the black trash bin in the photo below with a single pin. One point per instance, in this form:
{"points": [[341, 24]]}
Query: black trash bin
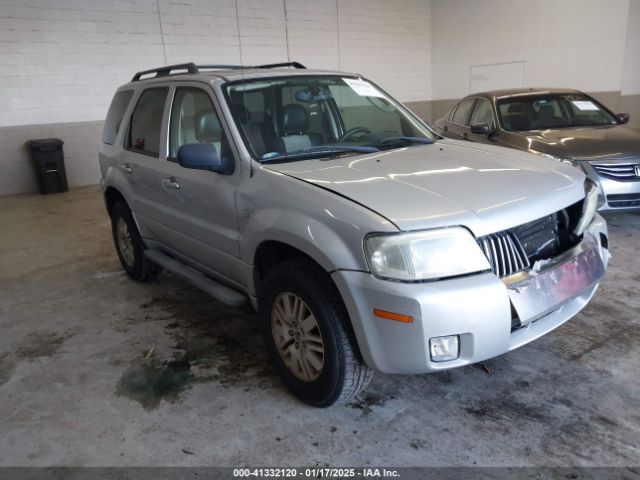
{"points": [[48, 160]]}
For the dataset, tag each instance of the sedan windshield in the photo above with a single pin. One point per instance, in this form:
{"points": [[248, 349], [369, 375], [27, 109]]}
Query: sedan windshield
{"points": [[542, 112], [300, 117]]}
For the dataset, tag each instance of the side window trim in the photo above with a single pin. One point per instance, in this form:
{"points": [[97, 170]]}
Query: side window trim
{"points": [[452, 112], [129, 115]]}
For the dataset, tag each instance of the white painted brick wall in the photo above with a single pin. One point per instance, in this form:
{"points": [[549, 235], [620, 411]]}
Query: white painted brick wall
{"points": [[557, 39], [61, 60], [388, 42]]}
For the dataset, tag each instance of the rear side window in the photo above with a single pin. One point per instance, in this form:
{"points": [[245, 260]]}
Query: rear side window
{"points": [[146, 121], [451, 112], [464, 111], [117, 108]]}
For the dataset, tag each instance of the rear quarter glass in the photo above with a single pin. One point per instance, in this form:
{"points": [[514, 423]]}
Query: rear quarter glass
{"points": [[115, 114]]}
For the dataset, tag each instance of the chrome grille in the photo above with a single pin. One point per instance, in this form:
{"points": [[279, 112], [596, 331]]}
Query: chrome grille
{"points": [[504, 252], [618, 171], [518, 248]]}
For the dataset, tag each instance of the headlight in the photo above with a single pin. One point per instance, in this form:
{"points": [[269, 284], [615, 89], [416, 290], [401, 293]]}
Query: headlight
{"points": [[589, 206], [424, 255]]}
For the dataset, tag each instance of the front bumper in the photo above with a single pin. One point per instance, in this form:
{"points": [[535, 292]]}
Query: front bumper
{"points": [[618, 196], [475, 307]]}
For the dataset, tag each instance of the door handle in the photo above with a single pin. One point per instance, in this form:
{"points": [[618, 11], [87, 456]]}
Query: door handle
{"points": [[171, 183], [126, 168]]}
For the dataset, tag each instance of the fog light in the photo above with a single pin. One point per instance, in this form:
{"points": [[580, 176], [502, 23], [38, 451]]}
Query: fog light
{"points": [[444, 348]]}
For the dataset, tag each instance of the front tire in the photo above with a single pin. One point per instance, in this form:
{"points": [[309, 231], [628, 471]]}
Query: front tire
{"points": [[308, 335], [129, 245]]}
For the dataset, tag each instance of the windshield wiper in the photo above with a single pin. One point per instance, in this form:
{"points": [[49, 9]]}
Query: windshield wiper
{"points": [[319, 151], [401, 140]]}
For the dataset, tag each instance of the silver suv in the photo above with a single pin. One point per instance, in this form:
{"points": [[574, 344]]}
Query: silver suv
{"points": [[365, 241]]}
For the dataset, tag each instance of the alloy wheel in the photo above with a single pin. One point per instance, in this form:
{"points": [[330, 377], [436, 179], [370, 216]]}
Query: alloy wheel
{"points": [[125, 242], [297, 336]]}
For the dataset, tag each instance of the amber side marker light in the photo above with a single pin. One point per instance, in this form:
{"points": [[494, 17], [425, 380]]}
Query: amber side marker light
{"points": [[398, 317]]}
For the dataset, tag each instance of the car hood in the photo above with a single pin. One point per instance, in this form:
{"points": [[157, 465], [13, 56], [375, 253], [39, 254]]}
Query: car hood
{"points": [[611, 142], [484, 188]]}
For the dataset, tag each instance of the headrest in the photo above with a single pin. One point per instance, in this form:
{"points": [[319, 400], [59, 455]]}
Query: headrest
{"points": [[313, 95], [518, 122], [295, 119], [515, 108], [546, 112], [207, 126], [242, 112]]}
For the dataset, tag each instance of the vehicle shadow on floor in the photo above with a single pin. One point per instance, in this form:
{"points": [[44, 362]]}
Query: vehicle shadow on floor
{"points": [[209, 342]]}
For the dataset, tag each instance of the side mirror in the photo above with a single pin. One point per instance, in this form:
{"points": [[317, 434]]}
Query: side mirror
{"points": [[622, 118], [203, 156], [480, 128]]}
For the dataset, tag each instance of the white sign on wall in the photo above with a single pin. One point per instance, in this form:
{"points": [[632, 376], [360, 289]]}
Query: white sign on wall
{"points": [[496, 76]]}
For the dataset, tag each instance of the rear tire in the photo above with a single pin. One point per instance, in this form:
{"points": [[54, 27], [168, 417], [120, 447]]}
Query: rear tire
{"points": [[129, 245], [308, 335]]}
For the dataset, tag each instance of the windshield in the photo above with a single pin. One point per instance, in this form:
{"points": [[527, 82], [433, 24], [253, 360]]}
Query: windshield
{"points": [[542, 112], [300, 117]]}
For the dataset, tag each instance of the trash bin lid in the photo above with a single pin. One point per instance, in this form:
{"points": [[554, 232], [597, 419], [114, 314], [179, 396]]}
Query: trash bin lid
{"points": [[45, 144]]}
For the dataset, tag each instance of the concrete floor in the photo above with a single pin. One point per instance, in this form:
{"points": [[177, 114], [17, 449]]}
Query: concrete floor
{"points": [[96, 369]]}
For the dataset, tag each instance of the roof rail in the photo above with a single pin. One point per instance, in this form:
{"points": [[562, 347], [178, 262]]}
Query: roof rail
{"points": [[221, 67], [285, 64], [166, 70], [193, 68]]}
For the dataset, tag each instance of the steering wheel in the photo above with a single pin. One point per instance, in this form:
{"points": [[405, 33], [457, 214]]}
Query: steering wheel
{"points": [[351, 132]]}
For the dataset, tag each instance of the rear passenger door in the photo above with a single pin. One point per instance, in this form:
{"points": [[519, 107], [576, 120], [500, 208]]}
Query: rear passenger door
{"points": [[458, 127], [139, 159], [199, 217]]}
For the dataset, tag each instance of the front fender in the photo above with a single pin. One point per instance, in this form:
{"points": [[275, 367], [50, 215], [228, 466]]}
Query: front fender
{"points": [[327, 227], [308, 235]]}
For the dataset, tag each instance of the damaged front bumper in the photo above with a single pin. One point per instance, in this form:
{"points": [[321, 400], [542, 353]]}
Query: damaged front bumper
{"points": [[489, 315]]}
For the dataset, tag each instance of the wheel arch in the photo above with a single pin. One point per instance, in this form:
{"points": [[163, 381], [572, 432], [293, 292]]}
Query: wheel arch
{"points": [[270, 253], [111, 196]]}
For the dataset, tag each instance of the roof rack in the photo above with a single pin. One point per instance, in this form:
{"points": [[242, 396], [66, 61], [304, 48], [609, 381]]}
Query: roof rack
{"points": [[166, 70], [193, 68], [278, 65]]}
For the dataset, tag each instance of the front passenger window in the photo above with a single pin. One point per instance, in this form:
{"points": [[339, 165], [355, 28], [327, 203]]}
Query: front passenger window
{"points": [[194, 120], [483, 113]]}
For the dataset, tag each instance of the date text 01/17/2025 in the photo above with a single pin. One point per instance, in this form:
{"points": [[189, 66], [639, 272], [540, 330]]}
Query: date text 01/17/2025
{"points": [[316, 472]]}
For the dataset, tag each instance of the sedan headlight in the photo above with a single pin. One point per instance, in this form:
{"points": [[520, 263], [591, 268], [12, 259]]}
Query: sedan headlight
{"points": [[589, 206], [424, 255]]}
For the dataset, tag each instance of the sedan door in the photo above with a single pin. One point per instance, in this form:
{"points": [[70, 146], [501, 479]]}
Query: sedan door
{"points": [[458, 126], [199, 221], [482, 114]]}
